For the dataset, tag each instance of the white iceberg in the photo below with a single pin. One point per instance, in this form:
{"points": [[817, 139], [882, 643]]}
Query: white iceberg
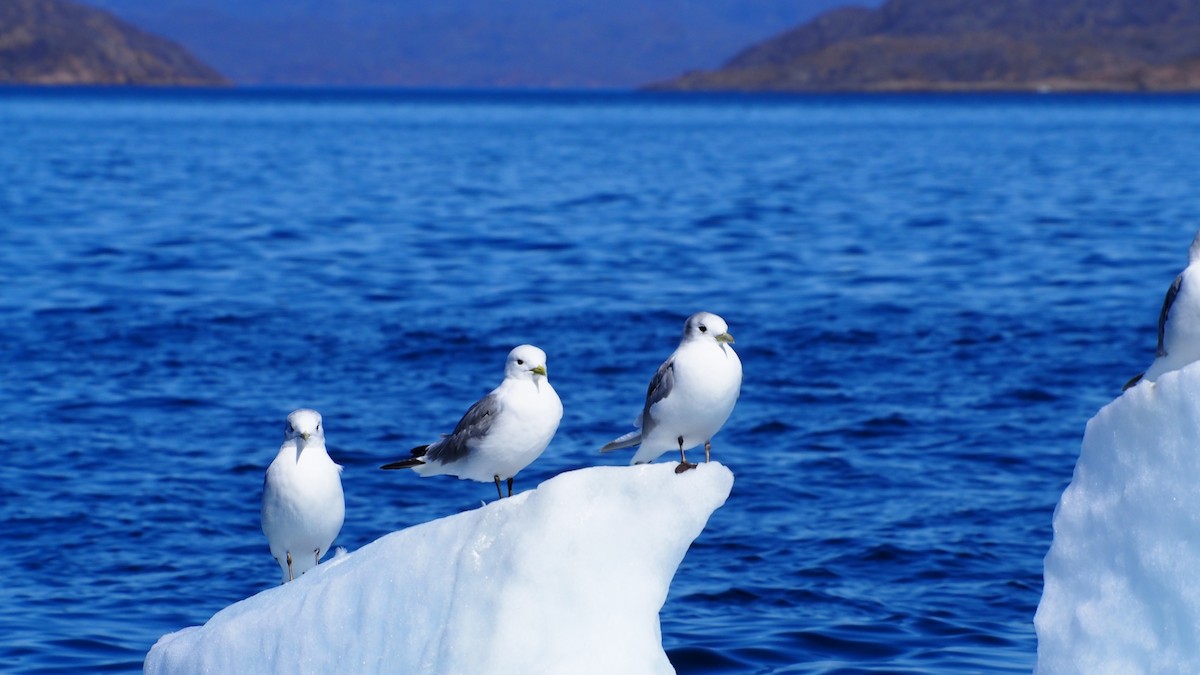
{"points": [[567, 578], [1122, 578]]}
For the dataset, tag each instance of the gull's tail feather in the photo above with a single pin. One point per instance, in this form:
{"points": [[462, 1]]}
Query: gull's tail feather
{"points": [[416, 460], [628, 440]]}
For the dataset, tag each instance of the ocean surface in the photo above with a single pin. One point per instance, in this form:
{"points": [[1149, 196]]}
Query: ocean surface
{"points": [[930, 296]]}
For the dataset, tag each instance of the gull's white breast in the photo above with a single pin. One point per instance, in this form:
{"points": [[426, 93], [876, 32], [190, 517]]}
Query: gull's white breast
{"points": [[707, 381], [527, 422], [303, 505]]}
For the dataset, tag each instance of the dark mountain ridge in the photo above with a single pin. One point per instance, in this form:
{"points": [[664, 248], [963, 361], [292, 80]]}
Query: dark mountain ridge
{"points": [[1105, 45], [61, 42]]}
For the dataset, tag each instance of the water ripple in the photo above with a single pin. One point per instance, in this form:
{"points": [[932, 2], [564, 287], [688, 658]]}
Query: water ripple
{"points": [[930, 297]]}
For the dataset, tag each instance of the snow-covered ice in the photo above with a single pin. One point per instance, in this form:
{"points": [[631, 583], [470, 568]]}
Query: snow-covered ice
{"points": [[1122, 578], [567, 578]]}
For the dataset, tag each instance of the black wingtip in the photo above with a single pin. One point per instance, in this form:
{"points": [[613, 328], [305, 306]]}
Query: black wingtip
{"points": [[1136, 378], [403, 464], [417, 453]]}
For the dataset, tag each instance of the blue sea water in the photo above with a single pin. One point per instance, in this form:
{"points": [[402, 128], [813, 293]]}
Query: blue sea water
{"points": [[930, 295]]}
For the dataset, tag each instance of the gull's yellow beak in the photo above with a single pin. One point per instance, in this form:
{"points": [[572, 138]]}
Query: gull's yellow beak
{"points": [[725, 337], [306, 435], [540, 370]]}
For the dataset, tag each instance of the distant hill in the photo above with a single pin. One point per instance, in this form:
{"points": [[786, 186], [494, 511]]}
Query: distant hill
{"points": [[463, 43], [61, 42], [981, 45]]}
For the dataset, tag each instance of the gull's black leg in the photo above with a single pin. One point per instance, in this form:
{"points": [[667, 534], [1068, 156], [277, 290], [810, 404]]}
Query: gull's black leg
{"points": [[499, 494], [510, 480], [684, 465]]}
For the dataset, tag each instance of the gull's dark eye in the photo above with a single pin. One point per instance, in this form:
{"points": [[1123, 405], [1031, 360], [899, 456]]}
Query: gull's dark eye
{"points": [[703, 328], [520, 362], [290, 429]]}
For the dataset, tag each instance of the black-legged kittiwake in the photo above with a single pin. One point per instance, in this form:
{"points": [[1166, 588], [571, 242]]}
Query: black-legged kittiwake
{"points": [[302, 506], [691, 395], [503, 432], [1178, 322]]}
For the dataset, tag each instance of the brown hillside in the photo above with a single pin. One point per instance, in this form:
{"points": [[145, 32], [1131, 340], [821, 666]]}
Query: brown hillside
{"points": [[62, 42], [932, 45]]}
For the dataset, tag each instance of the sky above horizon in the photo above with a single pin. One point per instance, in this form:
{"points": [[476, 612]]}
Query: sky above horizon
{"points": [[466, 43]]}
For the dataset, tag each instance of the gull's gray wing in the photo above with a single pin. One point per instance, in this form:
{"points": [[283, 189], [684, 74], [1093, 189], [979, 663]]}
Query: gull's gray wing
{"points": [[660, 388], [473, 426], [1166, 311]]}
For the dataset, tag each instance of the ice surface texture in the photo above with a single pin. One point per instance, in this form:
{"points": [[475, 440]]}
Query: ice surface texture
{"points": [[567, 578], [1122, 579]]}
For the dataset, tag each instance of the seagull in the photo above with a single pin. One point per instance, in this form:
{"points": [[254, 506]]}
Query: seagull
{"points": [[1178, 322], [690, 396], [302, 506], [502, 433]]}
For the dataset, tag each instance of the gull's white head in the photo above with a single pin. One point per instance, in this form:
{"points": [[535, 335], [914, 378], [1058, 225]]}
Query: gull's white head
{"points": [[1194, 250], [706, 326], [304, 425], [525, 362]]}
